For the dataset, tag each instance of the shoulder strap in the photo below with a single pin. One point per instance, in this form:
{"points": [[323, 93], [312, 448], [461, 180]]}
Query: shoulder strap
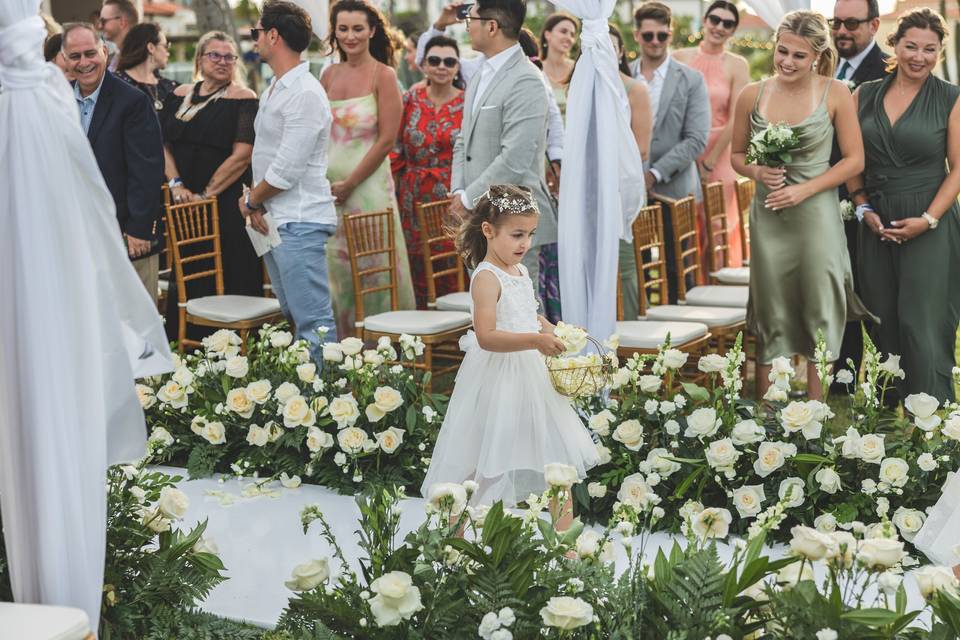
{"points": [[756, 103], [826, 90]]}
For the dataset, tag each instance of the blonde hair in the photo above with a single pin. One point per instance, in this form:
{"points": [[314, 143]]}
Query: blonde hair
{"points": [[238, 76], [812, 27], [499, 201]]}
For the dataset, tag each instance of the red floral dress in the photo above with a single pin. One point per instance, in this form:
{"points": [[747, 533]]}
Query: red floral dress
{"points": [[422, 162]]}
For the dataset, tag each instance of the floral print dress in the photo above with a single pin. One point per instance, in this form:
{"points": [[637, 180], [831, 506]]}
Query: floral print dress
{"points": [[422, 163]]}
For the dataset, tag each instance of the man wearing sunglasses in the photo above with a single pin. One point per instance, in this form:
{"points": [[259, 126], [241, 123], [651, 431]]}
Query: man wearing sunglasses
{"points": [[117, 17], [854, 28], [681, 116]]}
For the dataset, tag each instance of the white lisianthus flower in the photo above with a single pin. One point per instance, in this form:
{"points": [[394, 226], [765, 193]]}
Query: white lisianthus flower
{"points": [[829, 480], [297, 412], [352, 439], [660, 462], [146, 396], [448, 492], [844, 550], [561, 476], [908, 522], [374, 357], [690, 509], [811, 544], [286, 391], [650, 384], [154, 520], [603, 454], [318, 440], [214, 432], [872, 448], [748, 499], [894, 471], [240, 403], [161, 436], [173, 503], [722, 455], [309, 575], [596, 490], [344, 410], [620, 378], [390, 440], [712, 363], [672, 427], [258, 436], [931, 579], [385, 400], [827, 634], [825, 523], [599, 423], [259, 391], [781, 372], [412, 346], [792, 487], [635, 492], [237, 367], [281, 339], [844, 376], [630, 434], [924, 409], [880, 553], [793, 574], [674, 358], [892, 366], [711, 522], [339, 459], [927, 462], [951, 427], [588, 544], [206, 545], [488, 624], [566, 613], [478, 514], [289, 482], [747, 432], [428, 414], [702, 423], [173, 394], [889, 583]]}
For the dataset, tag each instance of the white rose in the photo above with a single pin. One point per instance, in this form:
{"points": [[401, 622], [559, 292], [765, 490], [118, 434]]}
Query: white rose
{"points": [[880, 553], [702, 423], [259, 391], [307, 371], [258, 436], [770, 457], [197, 424], [173, 394], [352, 439], [793, 487], [280, 339], [600, 423], [146, 396], [309, 575], [908, 521], [620, 378], [659, 460], [747, 432], [674, 358], [162, 436], [712, 363], [154, 520], [829, 480], [931, 579], [374, 357], [825, 523], [672, 427], [214, 433], [596, 490], [711, 522], [396, 600], [332, 352], [450, 492], [721, 454], [297, 412], [564, 612], [927, 462], [173, 503], [649, 384], [223, 342], [351, 346], [634, 491], [588, 544], [951, 427], [318, 440], [344, 410], [339, 459], [844, 376], [562, 476], [747, 499], [872, 448], [385, 400], [240, 403], [690, 509], [801, 416], [237, 367], [894, 471], [924, 408], [811, 544], [286, 391], [630, 434], [390, 439]]}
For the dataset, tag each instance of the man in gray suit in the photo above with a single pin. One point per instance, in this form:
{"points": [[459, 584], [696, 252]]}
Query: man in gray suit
{"points": [[681, 116], [504, 133]]}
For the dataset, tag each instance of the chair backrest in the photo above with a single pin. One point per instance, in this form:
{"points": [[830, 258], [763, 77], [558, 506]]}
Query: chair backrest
{"points": [[439, 260], [370, 242], [746, 188], [650, 253], [683, 214], [193, 229], [718, 235]]}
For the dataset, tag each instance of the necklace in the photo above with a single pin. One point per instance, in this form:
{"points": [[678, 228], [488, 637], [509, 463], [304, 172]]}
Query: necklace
{"points": [[154, 91]]}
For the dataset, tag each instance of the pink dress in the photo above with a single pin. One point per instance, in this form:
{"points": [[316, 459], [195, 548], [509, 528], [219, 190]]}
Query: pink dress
{"points": [[721, 106]]}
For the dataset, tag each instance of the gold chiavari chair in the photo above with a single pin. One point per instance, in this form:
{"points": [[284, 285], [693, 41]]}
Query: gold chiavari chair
{"points": [[441, 262], [746, 189], [718, 239]]}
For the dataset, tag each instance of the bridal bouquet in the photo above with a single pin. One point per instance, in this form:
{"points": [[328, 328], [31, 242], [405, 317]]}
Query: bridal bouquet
{"points": [[772, 146]]}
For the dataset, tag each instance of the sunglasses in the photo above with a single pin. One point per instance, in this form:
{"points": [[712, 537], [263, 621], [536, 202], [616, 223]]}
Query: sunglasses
{"points": [[255, 33], [436, 61], [716, 21], [661, 36], [103, 21], [852, 24]]}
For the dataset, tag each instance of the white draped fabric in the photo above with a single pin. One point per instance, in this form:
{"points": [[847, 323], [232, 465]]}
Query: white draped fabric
{"points": [[602, 189], [772, 11], [75, 324], [318, 10]]}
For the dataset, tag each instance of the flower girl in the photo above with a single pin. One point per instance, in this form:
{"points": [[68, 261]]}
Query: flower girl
{"points": [[505, 421]]}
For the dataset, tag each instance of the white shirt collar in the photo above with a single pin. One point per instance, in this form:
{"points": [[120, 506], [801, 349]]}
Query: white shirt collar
{"points": [[857, 59], [500, 59], [291, 76], [661, 71], [94, 95]]}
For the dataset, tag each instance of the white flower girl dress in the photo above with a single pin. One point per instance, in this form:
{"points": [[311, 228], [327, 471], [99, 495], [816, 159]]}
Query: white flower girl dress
{"points": [[505, 421]]}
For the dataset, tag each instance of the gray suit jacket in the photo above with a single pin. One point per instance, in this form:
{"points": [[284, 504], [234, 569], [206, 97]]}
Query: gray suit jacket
{"points": [[503, 140], [680, 131]]}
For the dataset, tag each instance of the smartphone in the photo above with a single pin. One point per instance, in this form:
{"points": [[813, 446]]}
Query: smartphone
{"points": [[463, 10]]}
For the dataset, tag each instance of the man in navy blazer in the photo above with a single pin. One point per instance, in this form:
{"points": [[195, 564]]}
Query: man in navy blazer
{"points": [[125, 135]]}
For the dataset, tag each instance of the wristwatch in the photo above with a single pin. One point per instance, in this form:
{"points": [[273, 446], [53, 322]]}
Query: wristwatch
{"points": [[250, 205], [175, 182], [933, 222]]}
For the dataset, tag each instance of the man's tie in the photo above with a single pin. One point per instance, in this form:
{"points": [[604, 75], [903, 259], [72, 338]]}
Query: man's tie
{"points": [[844, 70]]}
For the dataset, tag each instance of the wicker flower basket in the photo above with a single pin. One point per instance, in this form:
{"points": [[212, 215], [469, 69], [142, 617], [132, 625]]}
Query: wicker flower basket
{"points": [[582, 375]]}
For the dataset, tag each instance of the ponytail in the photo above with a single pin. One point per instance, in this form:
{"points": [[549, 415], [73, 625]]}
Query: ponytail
{"points": [[827, 63]]}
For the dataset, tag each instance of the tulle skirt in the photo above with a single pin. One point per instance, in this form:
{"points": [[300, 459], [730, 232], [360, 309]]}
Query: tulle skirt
{"points": [[503, 424]]}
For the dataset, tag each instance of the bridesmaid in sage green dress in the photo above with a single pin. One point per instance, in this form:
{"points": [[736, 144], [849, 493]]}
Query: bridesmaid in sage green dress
{"points": [[800, 277], [909, 240]]}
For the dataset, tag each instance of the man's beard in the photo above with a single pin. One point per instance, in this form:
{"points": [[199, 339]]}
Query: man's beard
{"points": [[846, 48]]}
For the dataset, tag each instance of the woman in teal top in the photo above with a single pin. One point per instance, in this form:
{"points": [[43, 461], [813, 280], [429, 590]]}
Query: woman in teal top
{"points": [[909, 239]]}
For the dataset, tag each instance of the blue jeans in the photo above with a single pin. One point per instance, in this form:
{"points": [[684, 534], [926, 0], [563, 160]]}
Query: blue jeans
{"points": [[298, 273]]}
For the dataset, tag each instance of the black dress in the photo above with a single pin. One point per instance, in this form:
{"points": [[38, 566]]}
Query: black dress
{"points": [[199, 147], [158, 93]]}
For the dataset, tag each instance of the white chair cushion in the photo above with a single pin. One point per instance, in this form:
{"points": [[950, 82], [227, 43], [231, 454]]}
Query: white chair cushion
{"points": [[650, 334], [718, 295], [417, 323], [732, 275], [232, 308], [459, 301], [710, 316], [42, 622], [163, 285]]}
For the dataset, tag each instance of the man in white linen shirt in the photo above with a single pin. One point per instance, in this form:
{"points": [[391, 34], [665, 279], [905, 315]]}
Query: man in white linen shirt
{"points": [[290, 174]]}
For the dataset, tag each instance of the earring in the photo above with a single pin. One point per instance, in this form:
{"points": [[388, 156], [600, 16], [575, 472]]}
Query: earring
{"points": [[814, 67]]}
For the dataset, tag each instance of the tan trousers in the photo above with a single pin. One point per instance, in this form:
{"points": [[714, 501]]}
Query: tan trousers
{"points": [[149, 271]]}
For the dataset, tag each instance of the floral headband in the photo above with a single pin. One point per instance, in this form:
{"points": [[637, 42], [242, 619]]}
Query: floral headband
{"points": [[511, 204]]}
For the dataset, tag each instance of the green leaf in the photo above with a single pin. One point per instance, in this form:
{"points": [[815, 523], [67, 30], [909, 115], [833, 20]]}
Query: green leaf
{"points": [[696, 392], [871, 617]]}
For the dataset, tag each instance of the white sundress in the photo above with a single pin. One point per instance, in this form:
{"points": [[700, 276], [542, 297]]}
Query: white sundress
{"points": [[505, 421]]}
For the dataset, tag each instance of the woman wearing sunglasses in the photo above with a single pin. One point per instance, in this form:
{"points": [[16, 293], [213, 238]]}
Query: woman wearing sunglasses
{"points": [[423, 156], [726, 75]]}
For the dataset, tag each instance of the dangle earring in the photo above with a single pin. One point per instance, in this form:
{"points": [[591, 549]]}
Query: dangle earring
{"points": [[814, 68]]}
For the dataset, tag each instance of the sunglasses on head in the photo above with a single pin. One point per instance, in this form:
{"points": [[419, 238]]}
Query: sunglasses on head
{"points": [[716, 21], [661, 36], [852, 24], [436, 61]]}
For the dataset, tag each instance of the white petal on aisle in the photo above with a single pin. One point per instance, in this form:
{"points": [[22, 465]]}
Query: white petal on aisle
{"points": [[602, 189], [74, 322]]}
